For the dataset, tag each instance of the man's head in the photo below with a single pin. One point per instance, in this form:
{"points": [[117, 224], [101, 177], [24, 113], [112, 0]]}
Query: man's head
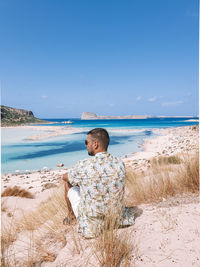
{"points": [[97, 141]]}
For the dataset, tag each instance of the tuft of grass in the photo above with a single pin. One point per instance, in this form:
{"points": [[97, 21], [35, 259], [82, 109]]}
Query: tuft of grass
{"points": [[48, 256], [43, 253], [77, 242], [8, 237], [166, 160], [112, 249], [17, 192], [189, 177], [163, 181], [50, 213]]}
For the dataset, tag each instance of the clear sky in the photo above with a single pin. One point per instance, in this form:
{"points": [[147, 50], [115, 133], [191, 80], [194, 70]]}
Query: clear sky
{"points": [[111, 57]]}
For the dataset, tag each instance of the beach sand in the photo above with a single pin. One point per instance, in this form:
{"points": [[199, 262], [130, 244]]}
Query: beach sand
{"points": [[50, 131], [167, 233]]}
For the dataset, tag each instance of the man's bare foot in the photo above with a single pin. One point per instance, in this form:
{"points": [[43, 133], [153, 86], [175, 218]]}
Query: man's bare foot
{"points": [[69, 220]]}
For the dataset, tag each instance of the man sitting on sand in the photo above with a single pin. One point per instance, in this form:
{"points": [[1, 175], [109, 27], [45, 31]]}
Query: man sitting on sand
{"points": [[96, 185]]}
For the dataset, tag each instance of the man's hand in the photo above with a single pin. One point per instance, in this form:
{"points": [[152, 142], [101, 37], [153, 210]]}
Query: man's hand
{"points": [[65, 177]]}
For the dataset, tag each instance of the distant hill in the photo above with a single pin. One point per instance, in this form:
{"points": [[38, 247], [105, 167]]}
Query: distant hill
{"points": [[13, 116]]}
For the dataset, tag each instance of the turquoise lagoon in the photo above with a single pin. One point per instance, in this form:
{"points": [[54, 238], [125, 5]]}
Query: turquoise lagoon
{"points": [[20, 154]]}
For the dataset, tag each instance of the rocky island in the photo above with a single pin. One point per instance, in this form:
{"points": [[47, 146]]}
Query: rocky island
{"points": [[14, 117], [93, 116]]}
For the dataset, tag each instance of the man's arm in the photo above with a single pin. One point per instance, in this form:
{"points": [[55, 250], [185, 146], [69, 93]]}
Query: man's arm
{"points": [[67, 187]]}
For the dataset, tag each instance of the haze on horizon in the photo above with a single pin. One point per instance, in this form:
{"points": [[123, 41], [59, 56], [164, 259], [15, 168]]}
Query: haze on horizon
{"points": [[60, 58]]}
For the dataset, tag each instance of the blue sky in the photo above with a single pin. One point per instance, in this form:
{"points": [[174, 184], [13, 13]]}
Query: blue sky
{"points": [[113, 57]]}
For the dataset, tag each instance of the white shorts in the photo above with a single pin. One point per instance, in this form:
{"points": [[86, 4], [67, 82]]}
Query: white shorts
{"points": [[74, 198]]}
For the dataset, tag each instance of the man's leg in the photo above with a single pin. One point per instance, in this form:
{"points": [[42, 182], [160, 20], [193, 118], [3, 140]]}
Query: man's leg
{"points": [[69, 206]]}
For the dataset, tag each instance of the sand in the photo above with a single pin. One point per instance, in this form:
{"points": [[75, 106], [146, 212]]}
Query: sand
{"points": [[50, 131], [164, 234], [161, 236]]}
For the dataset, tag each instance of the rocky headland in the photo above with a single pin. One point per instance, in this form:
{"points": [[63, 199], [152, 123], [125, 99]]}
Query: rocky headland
{"points": [[15, 117]]}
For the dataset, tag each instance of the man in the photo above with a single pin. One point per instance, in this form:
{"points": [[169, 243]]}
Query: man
{"points": [[96, 185]]}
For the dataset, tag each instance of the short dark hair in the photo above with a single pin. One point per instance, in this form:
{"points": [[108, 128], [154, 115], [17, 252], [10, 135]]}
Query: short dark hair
{"points": [[100, 135]]}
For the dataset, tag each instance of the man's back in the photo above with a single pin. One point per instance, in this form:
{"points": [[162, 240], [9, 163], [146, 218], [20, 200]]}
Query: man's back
{"points": [[102, 182]]}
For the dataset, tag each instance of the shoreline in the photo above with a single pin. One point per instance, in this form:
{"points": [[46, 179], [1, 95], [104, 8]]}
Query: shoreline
{"points": [[52, 131], [171, 141], [55, 131]]}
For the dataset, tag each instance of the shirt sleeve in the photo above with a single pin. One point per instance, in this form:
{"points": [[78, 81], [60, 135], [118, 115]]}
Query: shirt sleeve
{"points": [[76, 174]]}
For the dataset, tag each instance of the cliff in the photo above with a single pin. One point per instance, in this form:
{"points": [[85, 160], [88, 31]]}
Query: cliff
{"points": [[13, 116], [93, 116]]}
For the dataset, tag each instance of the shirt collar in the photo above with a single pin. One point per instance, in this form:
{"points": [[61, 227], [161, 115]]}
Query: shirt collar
{"points": [[100, 154]]}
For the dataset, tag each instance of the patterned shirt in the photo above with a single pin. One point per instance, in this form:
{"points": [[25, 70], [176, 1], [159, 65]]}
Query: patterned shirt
{"points": [[102, 184]]}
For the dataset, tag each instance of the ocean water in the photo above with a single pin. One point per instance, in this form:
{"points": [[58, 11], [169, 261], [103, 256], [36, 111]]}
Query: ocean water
{"points": [[127, 136], [126, 124]]}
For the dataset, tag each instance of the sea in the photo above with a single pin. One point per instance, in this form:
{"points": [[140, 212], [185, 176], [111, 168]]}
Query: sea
{"points": [[19, 155]]}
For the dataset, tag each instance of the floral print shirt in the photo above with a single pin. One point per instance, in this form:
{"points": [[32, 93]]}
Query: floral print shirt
{"points": [[102, 183]]}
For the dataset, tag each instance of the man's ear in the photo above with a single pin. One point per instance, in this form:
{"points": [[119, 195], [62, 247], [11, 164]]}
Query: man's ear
{"points": [[96, 144]]}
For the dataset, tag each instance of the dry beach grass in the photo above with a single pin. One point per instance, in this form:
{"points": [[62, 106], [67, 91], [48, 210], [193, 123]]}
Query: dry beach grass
{"points": [[164, 179], [112, 248], [44, 230], [41, 228]]}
